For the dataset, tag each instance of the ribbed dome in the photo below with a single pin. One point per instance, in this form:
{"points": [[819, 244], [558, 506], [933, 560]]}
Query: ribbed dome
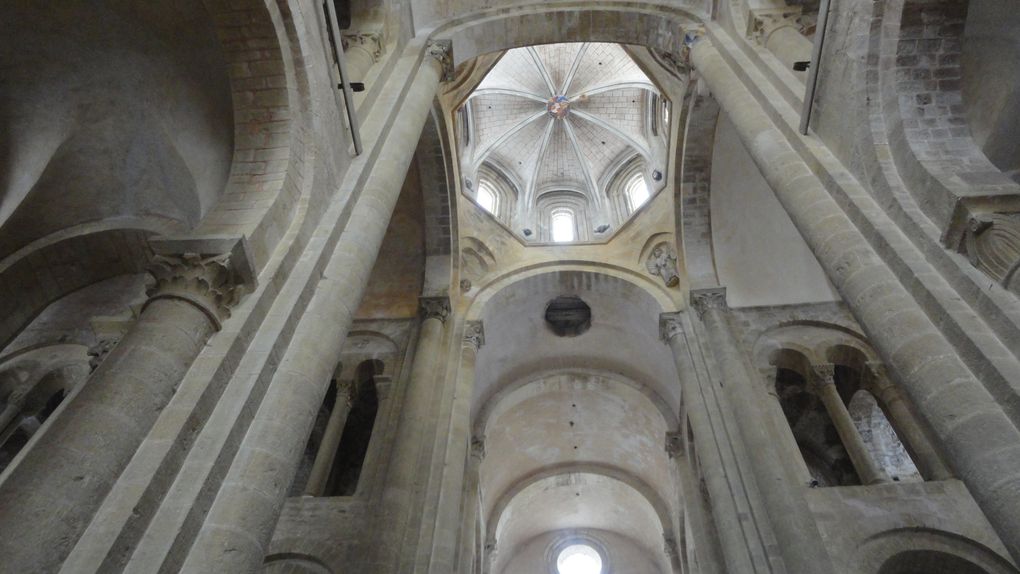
{"points": [[562, 117]]}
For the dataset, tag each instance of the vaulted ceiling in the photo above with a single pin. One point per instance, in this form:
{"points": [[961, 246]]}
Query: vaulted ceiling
{"points": [[561, 117]]}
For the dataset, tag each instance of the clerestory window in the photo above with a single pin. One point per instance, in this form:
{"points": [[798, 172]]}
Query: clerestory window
{"points": [[579, 559], [486, 198], [637, 191], [563, 226]]}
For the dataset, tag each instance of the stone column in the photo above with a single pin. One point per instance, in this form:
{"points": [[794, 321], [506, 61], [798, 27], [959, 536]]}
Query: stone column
{"points": [[405, 469], [330, 439], [742, 544], [906, 425], [824, 385], [981, 443], [788, 442], [800, 543], [362, 50], [236, 532], [702, 531], [452, 505], [673, 545], [49, 497], [469, 555]]}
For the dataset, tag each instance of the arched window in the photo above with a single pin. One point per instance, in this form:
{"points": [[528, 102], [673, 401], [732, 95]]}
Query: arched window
{"points": [[357, 433], [637, 191], [826, 458], [880, 437], [336, 449], [486, 197], [665, 113], [579, 559], [562, 225]]}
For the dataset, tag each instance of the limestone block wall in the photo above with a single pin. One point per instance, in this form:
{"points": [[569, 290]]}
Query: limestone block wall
{"points": [[864, 525]]}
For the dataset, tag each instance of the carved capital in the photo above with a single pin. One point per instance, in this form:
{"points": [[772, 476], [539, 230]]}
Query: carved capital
{"points": [[769, 376], [211, 283], [97, 353], [762, 23], [691, 38], [877, 380], [876, 372], [670, 325], [383, 386], [824, 374], [674, 62], [434, 308], [675, 444], [478, 448], [669, 547], [474, 335], [704, 299], [442, 51], [345, 393], [991, 242], [369, 41]]}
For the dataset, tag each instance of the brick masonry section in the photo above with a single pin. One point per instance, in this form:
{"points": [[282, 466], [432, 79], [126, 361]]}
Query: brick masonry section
{"points": [[263, 185], [940, 159]]}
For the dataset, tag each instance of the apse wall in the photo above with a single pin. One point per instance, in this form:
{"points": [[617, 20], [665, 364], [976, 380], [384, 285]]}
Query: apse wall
{"points": [[630, 558], [760, 256]]}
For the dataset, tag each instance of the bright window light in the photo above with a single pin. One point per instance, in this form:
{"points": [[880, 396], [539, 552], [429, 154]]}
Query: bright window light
{"points": [[637, 191], [579, 559], [486, 198], [665, 113], [562, 226]]}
